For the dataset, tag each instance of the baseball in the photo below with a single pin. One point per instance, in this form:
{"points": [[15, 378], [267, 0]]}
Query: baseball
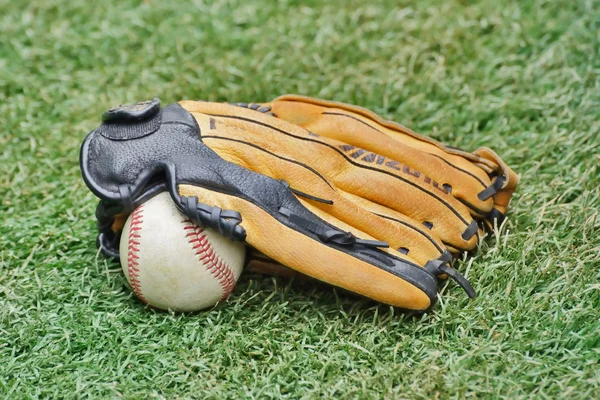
{"points": [[173, 264]]}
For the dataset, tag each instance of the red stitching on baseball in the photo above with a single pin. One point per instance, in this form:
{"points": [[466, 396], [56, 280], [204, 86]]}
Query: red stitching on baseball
{"points": [[133, 252], [207, 255]]}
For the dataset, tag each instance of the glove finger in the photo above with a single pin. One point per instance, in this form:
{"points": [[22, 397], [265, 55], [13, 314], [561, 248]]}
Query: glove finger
{"points": [[470, 177], [253, 152], [383, 182]]}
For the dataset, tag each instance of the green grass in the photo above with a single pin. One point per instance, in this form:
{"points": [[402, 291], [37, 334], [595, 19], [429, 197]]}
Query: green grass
{"points": [[522, 77]]}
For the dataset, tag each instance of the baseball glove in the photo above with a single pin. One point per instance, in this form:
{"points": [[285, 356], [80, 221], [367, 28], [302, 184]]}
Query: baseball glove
{"points": [[327, 189]]}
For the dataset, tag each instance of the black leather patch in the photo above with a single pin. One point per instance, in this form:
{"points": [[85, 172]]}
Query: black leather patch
{"points": [[128, 131], [128, 122], [141, 111]]}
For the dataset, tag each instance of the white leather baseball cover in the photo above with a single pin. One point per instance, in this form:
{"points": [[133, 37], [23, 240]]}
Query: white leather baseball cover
{"points": [[171, 263]]}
